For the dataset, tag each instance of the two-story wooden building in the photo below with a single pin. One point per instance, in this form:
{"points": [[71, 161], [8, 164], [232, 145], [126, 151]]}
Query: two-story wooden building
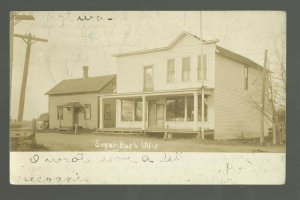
{"points": [[189, 85]]}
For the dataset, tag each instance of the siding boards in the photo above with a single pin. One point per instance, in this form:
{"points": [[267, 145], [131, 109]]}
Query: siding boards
{"points": [[235, 114], [55, 100], [133, 65]]}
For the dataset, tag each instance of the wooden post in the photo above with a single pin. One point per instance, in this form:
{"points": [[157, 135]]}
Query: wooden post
{"points": [[24, 81], [60, 110], [202, 112], [185, 109], [166, 132], [33, 138], [262, 121], [144, 112], [195, 111], [76, 127]]}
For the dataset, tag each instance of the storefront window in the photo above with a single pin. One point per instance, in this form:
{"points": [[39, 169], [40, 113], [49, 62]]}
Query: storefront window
{"points": [[190, 109], [126, 110], [138, 110], [175, 109]]}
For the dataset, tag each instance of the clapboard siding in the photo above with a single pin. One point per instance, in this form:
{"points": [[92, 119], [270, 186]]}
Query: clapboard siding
{"points": [[57, 100], [236, 112], [83, 98], [130, 68]]}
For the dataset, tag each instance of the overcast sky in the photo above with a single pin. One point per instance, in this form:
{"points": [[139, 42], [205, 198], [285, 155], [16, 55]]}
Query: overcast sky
{"points": [[73, 43]]}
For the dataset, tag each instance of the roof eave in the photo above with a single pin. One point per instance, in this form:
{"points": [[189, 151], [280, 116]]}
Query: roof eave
{"points": [[163, 48], [237, 57]]}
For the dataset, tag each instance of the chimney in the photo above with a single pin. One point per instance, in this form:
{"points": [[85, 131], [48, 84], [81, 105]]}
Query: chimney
{"points": [[85, 72]]}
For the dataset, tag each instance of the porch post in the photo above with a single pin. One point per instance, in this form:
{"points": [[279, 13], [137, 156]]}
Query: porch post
{"points": [[144, 112], [185, 108], [202, 113], [101, 113], [195, 111]]}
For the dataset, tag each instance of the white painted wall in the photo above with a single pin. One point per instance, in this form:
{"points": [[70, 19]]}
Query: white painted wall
{"points": [[236, 116], [130, 68], [57, 100]]}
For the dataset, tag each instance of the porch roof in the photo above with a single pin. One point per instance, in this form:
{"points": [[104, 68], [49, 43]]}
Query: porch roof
{"points": [[72, 105], [207, 91]]}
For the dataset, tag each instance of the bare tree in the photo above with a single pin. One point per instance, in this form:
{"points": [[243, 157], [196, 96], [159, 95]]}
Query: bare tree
{"points": [[277, 93]]}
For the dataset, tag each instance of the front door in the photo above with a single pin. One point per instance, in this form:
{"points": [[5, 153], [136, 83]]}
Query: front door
{"points": [[75, 116], [160, 118], [156, 114], [109, 115]]}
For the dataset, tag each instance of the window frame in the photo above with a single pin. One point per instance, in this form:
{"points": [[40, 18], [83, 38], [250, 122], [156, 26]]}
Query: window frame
{"points": [[201, 68], [169, 80], [144, 82], [87, 106], [191, 109], [136, 101], [60, 113], [186, 68], [175, 111], [133, 110]]}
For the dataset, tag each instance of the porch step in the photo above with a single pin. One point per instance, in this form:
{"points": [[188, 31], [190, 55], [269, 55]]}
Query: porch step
{"points": [[65, 128], [132, 131], [119, 131]]}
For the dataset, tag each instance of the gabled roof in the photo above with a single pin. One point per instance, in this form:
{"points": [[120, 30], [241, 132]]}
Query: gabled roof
{"points": [[220, 50], [181, 35], [81, 85]]}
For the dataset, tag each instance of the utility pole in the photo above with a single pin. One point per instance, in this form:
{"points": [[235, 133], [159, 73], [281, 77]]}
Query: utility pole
{"points": [[29, 40], [262, 121], [202, 78], [14, 19]]}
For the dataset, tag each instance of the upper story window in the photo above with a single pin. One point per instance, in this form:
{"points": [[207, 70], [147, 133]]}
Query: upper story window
{"points": [[246, 71], [171, 71], [148, 78], [186, 68], [202, 67]]}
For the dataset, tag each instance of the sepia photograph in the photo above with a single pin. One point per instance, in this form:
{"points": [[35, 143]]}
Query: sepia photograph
{"points": [[148, 81]]}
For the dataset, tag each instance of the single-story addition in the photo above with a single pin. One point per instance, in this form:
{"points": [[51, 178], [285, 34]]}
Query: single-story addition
{"points": [[75, 102], [188, 86]]}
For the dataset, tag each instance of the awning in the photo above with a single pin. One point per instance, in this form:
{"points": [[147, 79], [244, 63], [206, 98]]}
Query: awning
{"points": [[72, 105], [208, 91]]}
